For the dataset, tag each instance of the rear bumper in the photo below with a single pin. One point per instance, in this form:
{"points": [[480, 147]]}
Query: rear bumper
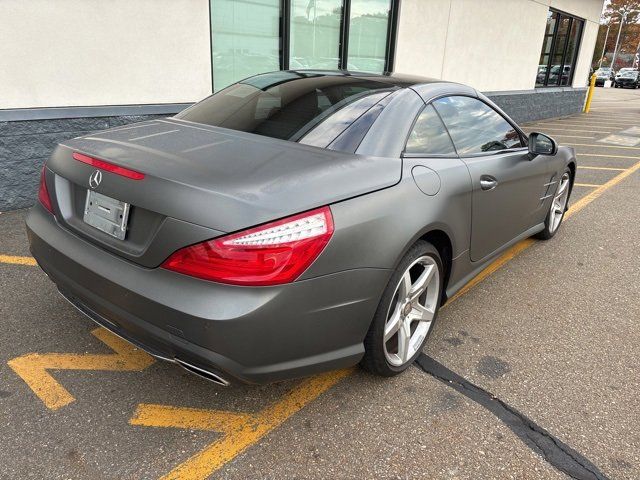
{"points": [[253, 334]]}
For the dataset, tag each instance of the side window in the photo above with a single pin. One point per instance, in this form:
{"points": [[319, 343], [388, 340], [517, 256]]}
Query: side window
{"points": [[475, 127], [429, 137]]}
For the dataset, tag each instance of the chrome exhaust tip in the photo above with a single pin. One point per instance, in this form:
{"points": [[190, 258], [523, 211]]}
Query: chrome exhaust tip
{"points": [[201, 372]]}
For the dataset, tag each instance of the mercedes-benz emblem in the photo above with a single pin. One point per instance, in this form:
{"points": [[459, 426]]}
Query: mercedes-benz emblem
{"points": [[95, 179]]}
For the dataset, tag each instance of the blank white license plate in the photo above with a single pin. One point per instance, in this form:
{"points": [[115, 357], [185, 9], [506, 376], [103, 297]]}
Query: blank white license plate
{"points": [[106, 214]]}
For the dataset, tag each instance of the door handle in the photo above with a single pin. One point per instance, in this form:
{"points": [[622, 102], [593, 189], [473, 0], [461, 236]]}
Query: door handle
{"points": [[488, 183]]}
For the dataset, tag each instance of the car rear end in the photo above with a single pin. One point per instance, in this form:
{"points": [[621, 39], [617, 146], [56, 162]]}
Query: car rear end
{"points": [[627, 79], [211, 264]]}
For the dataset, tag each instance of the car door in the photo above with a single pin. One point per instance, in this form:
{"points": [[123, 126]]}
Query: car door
{"points": [[508, 187]]}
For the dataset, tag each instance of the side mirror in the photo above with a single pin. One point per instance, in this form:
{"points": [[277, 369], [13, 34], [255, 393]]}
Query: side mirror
{"points": [[541, 144]]}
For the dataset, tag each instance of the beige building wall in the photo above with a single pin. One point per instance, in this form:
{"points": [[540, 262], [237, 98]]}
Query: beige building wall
{"points": [[493, 45], [57, 53]]}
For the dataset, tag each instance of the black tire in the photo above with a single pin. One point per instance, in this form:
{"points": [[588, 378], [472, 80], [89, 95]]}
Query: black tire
{"points": [[548, 231], [374, 359]]}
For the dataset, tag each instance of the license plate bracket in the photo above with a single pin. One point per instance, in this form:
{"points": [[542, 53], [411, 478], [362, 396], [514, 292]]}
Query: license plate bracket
{"points": [[107, 214]]}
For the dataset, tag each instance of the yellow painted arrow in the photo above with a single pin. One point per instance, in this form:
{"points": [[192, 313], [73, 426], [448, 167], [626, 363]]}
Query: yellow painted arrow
{"points": [[239, 430], [34, 368]]}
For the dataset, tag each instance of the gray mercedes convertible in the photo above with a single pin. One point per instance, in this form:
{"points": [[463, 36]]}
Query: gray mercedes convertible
{"points": [[294, 222]]}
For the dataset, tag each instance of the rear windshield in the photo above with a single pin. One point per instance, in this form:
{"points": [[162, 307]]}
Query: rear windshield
{"points": [[288, 105]]}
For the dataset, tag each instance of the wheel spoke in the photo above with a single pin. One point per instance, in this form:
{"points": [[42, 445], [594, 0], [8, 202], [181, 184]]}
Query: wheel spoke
{"points": [[405, 285], [404, 341], [422, 282], [393, 324], [563, 186], [557, 206], [422, 313]]}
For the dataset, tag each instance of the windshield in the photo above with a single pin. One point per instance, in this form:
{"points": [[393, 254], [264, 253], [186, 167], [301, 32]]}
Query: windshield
{"points": [[629, 73], [288, 105]]}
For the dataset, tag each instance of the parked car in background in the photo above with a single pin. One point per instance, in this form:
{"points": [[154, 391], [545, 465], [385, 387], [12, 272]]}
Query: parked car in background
{"points": [[604, 74], [626, 78], [542, 74], [626, 69], [563, 75]]}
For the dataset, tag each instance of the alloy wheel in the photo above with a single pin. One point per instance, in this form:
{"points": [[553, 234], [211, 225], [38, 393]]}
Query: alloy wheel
{"points": [[412, 310], [559, 203]]}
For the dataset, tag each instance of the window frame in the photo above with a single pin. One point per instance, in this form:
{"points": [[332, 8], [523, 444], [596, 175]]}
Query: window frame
{"points": [[554, 39], [343, 41], [523, 137]]}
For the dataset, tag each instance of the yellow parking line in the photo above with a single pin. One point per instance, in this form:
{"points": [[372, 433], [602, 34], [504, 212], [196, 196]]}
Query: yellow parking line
{"points": [[571, 136], [615, 109], [634, 157], [607, 116], [18, 260], [572, 130], [585, 167], [601, 146], [183, 417], [589, 185], [493, 266], [584, 125], [606, 130], [33, 367], [582, 122]]}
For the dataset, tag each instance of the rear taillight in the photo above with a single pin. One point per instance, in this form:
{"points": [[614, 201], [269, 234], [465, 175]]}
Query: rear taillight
{"points": [[43, 193], [271, 254]]}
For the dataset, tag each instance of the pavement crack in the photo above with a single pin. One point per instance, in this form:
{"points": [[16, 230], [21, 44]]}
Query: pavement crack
{"points": [[554, 451]]}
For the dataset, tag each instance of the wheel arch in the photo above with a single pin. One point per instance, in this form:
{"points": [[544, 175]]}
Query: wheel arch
{"points": [[440, 239], [439, 236]]}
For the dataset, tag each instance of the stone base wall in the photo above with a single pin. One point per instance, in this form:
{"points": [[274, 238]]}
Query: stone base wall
{"points": [[26, 144], [531, 105]]}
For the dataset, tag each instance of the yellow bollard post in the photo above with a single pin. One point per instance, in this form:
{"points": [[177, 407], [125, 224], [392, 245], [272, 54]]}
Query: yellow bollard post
{"points": [[592, 86]]}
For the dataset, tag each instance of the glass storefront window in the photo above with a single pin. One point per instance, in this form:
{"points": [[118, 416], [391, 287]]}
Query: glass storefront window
{"points": [[245, 39], [315, 34], [368, 26], [249, 37], [559, 50]]}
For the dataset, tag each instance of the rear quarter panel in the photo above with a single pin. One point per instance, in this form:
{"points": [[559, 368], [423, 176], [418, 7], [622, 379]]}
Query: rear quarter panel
{"points": [[375, 230]]}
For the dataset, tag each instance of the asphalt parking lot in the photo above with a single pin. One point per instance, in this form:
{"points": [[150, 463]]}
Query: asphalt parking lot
{"points": [[532, 372]]}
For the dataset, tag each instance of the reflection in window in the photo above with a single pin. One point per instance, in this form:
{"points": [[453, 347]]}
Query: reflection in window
{"points": [[475, 127], [245, 39], [315, 34], [369, 22], [559, 50], [289, 105], [340, 116], [429, 137]]}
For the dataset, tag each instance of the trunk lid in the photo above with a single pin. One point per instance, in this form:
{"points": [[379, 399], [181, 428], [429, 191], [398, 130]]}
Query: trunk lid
{"points": [[205, 181]]}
